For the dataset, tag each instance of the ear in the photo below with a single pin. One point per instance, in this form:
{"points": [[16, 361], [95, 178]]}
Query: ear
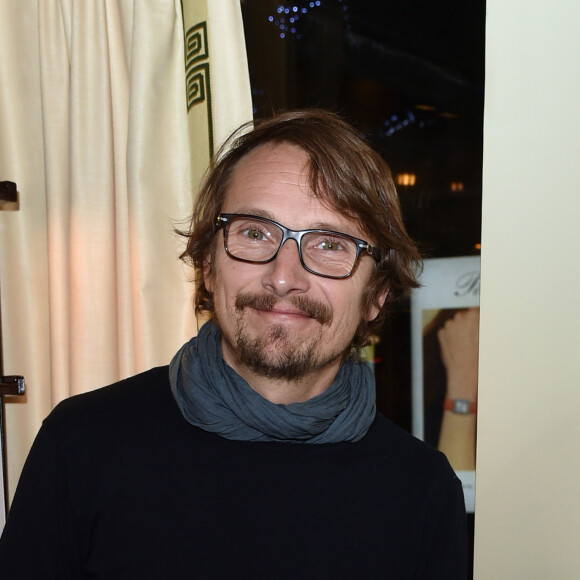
{"points": [[377, 304], [208, 276]]}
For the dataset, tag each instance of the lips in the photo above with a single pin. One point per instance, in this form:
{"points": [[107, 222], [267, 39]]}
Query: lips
{"points": [[288, 311], [295, 306]]}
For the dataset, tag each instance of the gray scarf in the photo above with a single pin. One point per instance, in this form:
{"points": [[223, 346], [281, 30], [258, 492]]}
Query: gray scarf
{"points": [[212, 396]]}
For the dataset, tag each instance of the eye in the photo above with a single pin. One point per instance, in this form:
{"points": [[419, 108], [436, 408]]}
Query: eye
{"points": [[250, 231], [255, 234], [329, 245]]}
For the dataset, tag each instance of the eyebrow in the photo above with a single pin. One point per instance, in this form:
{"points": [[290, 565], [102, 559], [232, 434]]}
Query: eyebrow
{"points": [[317, 226], [258, 213]]}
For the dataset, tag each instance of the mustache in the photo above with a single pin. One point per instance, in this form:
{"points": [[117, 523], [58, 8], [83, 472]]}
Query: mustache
{"points": [[312, 308]]}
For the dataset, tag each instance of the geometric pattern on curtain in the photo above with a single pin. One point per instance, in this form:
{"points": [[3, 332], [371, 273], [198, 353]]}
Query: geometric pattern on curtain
{"points": [[95, 131]]}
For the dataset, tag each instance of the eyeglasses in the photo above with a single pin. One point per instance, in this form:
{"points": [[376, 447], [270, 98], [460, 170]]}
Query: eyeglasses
{"points": [[258, 240]]}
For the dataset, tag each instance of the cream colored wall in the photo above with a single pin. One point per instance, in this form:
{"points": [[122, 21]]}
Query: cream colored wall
{"points": [[528, 471]]}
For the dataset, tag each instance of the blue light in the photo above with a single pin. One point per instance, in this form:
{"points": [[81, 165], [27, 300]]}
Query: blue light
{"points": [[300, 8]]}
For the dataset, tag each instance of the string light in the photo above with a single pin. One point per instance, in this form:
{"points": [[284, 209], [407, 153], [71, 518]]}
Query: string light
{"points": [[396, 123], [288, 16]]}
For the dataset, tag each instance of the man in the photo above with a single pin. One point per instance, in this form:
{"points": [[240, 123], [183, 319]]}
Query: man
{"points": [[258, 453]]}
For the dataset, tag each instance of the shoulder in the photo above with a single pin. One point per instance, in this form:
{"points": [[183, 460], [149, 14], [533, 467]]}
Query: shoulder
{"points": [[144, 385], [420, 476], [123, 402], [412, 458]]}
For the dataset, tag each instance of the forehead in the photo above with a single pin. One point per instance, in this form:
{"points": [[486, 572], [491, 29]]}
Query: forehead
{"points": [[273, 180]]}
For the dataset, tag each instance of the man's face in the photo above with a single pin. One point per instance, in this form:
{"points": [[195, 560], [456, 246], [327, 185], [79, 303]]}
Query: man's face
{"points": [[278, 320]]}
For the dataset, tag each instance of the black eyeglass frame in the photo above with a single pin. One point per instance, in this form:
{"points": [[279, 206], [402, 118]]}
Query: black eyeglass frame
{"points": [[223, 220]]}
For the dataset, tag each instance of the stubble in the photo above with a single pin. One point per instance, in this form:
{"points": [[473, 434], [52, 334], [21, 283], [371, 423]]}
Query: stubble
{"points": [[277, 353]]}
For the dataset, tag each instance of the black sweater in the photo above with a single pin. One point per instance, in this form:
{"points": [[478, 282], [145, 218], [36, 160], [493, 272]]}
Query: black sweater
{"points": [[119, 485]]}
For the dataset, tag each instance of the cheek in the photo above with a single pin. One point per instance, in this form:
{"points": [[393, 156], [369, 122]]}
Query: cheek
{"points": [[346, 304], [218, 271], [355, 306], [229, 278]]}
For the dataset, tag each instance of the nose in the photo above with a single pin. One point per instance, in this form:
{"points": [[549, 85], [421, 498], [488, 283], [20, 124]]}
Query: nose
{"points": [[285, 274]]}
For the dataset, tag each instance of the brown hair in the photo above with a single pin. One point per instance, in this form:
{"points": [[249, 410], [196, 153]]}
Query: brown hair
{"points": [[345, 174]]}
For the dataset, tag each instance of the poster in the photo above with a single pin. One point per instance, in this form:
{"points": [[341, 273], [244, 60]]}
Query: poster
{"points": [[444, 343]]}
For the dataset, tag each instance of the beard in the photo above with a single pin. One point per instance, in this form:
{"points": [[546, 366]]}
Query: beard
{"points": [[291, 362], [277, 353]]}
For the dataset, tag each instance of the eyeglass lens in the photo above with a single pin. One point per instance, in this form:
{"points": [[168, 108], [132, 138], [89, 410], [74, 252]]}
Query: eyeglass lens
{"points": [[255, 240]]}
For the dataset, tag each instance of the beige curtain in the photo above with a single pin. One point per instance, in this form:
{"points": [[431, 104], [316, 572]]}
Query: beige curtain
{"points": [[107, 121]]}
